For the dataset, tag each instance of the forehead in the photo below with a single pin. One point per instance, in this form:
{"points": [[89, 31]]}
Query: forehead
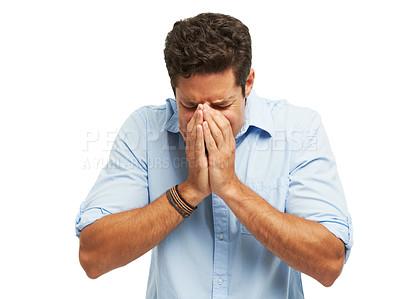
{"points": [[207, 88]]}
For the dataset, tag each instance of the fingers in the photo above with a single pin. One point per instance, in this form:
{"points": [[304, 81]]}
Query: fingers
{"points": [[199, 145], [200, 116], [195, 147], [210, 142], [219, 126], [190, 131], [200, 148], [223, 123], [213, 128], [197, 118]]}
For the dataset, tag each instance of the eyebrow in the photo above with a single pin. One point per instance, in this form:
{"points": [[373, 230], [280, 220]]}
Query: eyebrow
{"points": [[224, 101]]}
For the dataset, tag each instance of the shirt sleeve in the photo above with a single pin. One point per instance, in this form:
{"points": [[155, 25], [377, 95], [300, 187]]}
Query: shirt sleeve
{"points": [[122, 184], [315, 190]]}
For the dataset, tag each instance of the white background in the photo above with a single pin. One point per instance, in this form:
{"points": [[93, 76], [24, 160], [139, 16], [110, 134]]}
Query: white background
{"points": [[73, 71]]}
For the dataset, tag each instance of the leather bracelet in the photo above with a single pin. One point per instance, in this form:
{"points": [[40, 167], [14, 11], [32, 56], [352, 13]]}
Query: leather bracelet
{"points": [[174, 204], [186, 208], [180, 196]]}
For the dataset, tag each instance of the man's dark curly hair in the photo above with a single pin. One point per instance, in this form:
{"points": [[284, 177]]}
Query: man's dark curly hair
{"points": [[206, 44]]}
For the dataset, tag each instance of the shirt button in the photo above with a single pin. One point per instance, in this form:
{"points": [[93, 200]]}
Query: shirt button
{"points": [[220, 281], [221, 236]]}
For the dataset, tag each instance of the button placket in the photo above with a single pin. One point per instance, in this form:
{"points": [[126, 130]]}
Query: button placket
{"points": [[221, 248]]}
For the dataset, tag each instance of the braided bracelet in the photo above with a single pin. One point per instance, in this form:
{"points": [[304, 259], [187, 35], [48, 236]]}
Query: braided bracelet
{"points": [[179, 203], [180, 196]]}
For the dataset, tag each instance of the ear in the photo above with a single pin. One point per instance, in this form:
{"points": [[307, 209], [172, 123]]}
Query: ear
{"points": [[249, 83]]}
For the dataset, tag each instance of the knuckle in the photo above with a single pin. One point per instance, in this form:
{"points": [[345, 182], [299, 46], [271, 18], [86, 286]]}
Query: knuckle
{"points": [[226, 125], [218, 134]]}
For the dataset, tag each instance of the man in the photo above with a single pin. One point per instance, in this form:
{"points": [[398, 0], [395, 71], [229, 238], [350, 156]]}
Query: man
{"points": [[257, 197]]}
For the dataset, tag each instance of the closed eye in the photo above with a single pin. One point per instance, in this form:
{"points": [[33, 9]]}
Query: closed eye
{"points": [[190, 107], [222, 107]]}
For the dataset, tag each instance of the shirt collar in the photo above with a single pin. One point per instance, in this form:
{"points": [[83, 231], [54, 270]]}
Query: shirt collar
{"points": [[256, 114], [172, 123]]}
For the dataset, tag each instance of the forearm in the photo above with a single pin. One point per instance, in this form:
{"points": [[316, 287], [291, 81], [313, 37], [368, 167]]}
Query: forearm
{"points": [[115, 240], [304, 245], [118, 239]]}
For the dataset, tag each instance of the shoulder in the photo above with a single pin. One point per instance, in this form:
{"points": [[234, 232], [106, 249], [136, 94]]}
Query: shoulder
{"points": [[292, 116], [151, 117], [286, 116]]}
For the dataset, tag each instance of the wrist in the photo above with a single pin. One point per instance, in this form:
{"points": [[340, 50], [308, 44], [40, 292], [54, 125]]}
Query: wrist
{"points": [[231, 189], [190, 193]]}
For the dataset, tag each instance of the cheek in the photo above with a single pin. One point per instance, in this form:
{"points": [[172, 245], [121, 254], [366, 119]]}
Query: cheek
{"points": [[236, 120], [232, 117], [184, 118]]}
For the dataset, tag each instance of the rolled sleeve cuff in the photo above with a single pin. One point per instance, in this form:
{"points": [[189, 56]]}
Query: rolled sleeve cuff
{"points": [[342, 229], [88, 216]]}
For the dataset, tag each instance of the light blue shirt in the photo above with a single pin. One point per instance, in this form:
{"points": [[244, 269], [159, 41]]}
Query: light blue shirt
{"points": [[282, 153]]}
